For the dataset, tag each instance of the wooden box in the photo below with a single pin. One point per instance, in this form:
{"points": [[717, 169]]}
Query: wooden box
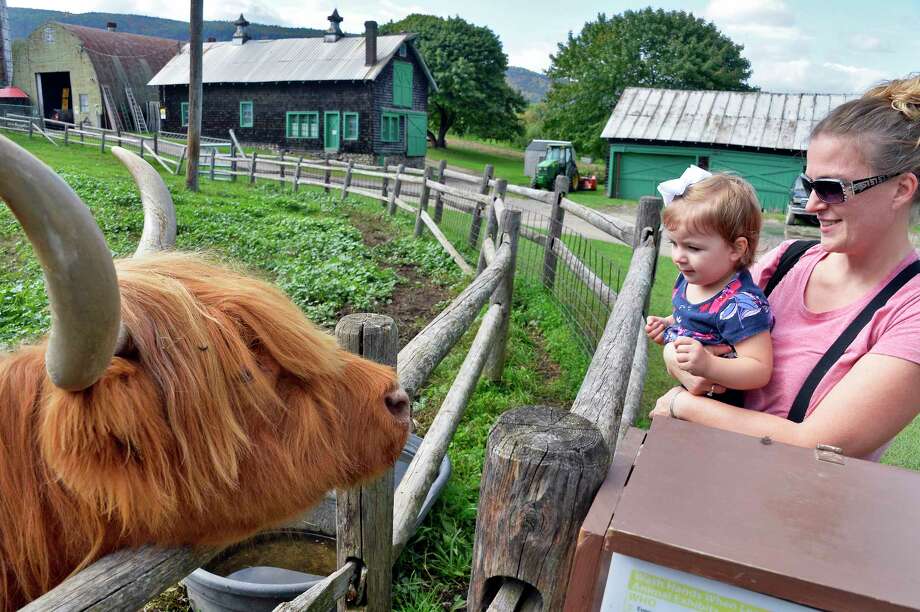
{"points": [[743, 515]]}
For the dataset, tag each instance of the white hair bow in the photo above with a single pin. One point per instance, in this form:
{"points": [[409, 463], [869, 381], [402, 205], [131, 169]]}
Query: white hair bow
{"points": [[676, 187]]}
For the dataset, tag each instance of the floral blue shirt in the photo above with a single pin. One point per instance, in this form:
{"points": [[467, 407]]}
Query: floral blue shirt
{"points": [[738, 312]]}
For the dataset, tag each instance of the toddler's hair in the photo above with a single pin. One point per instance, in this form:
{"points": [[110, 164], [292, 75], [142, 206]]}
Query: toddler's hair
{"points": [[722, 203]]}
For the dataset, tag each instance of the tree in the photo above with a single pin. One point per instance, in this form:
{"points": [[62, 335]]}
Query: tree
{"points": [[469, 66], [647, 48]]}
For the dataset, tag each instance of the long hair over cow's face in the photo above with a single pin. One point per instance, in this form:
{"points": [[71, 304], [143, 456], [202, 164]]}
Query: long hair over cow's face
{"points": [[226, 412]]}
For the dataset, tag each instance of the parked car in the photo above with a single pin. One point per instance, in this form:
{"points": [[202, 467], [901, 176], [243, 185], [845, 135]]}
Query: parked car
{"points": [[798, 198]]}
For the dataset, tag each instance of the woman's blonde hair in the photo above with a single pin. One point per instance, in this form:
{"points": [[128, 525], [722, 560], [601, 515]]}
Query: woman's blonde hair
{"points": [[886, 122], [722, 203]]}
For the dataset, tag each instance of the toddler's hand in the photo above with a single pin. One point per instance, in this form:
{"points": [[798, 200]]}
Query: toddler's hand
{"points": [[692, 356], [654, 328]]}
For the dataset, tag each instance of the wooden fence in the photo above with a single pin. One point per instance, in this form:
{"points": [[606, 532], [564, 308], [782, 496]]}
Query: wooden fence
{"points": [[514, 564]]}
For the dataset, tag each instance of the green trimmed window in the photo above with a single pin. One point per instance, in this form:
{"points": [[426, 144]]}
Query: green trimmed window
{"points": [[246, 114], [350, 127], [183, 114], [402, 84], [302, 125], [389, 128]]}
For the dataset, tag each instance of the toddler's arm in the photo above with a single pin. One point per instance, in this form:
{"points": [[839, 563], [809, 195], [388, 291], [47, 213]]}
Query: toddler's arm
{"points": [[655, 326], [751, 369]]}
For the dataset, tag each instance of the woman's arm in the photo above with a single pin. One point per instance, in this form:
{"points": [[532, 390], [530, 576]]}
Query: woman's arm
{"points": [[877, 398], [751, 369]]}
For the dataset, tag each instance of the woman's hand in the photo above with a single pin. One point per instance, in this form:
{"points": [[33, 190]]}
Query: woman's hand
{"points": [[697, 385], [663, 405]]}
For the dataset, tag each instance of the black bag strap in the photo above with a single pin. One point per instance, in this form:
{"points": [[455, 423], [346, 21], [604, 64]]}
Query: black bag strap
{"points": [[800, 405], [789, 258]]}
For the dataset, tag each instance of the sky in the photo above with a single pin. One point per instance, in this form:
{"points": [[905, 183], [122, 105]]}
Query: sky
{"points": [[822, 46]]}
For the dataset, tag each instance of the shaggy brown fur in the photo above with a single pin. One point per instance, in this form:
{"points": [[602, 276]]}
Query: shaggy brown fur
{"points": [[231, 412]]}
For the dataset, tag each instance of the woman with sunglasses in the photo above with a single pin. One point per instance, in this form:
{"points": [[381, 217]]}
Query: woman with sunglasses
{"points": [[853, 299]]}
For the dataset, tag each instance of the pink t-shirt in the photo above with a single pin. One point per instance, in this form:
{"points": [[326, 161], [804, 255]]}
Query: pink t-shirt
{"points": [[801, 337]]}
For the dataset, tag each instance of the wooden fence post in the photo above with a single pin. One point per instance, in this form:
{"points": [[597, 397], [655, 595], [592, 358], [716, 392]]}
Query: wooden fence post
{"points": [[648, 214], [385, 183], [252, 168], [101, 142], [364, 515], [439, 197], [477, 213], [554, 231], [397, 189], [156, 143], [495, 363], [140, 147], [281, 167], [527, 527], [501, 186], [327, 173], [297, 174], [423, 202], [233, 153], [213, 161], [31, 128], [66, 135], [346, 183]]}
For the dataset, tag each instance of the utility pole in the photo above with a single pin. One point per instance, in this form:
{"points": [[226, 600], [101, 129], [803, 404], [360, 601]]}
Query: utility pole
{"points": [[194, 95]]}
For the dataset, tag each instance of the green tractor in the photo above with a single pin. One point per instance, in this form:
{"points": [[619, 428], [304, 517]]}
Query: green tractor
{"points": [[559, 160]]}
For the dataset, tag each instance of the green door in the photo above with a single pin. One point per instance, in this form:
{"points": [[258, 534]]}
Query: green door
{"points": [[331, 131], [416, 134], [771, 175], [640, 173]]}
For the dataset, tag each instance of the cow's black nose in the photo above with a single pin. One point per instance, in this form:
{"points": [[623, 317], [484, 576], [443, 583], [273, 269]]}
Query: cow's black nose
{"points": [[397, 402]]}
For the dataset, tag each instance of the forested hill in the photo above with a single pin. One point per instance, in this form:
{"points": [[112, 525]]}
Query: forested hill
{"points": [[23, 22], [532, 85]]}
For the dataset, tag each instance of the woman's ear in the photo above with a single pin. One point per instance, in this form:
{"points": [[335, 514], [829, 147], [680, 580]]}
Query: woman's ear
{"points": [[739, 248], [907, 186]]}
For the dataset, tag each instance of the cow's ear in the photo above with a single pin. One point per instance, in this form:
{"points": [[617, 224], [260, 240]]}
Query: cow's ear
{"points": [[111, 446]]}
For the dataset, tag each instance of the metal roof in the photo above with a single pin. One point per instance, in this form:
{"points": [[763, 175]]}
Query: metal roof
{"points": [[288, 59], [736, 118]]}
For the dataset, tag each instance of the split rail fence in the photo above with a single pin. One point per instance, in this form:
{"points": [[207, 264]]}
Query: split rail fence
{"points": [[513, 565]]}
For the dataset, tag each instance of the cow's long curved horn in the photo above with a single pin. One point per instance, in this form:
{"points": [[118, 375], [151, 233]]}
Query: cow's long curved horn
{"points": [[159, 212], [79, 272]]}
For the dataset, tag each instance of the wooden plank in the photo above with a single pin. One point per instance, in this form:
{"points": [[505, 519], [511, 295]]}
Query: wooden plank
{"points": [[442, 239], [460, 193], [423, 470], [159, 159], [124, 580], [324, 595], [426, 350], [534, 194], [585, 275], [614, 228]]}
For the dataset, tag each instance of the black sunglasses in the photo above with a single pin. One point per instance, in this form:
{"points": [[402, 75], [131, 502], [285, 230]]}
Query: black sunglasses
{"points": [[834, 191]]}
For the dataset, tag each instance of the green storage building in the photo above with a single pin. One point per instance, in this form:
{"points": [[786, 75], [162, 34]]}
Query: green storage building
{"points": [[654, 134]]}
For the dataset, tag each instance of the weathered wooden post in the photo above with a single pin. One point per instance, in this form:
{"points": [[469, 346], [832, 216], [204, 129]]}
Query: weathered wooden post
{"points": [[554, 231], [140, 147], [82, 130], [439, 197], [476, 223], [233, 162], [385, 182], [297, 174], [397, 189], [327, 173], [156, 143], [281, 167], [648, 214], [501, 186], [364, 515], [423, 202], [31, 128], [543, 467], [252, 168], [101, 143], [213, 161], [66, 135], [495, 363], [346, 182]]}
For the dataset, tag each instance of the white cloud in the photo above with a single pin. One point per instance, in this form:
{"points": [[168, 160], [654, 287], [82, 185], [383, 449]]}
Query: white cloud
{"points": [[863, 42], [745, 12], [804, 75], [533, 57]]}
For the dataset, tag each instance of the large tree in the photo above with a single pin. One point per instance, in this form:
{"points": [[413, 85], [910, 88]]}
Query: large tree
{"points": [[646, 48], [468, 64]]}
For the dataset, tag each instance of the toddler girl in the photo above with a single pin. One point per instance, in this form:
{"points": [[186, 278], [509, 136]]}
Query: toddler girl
{"points": [[713, 221]]}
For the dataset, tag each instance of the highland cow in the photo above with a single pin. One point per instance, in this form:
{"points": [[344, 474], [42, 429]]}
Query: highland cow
{"points": [[176, 401]]}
